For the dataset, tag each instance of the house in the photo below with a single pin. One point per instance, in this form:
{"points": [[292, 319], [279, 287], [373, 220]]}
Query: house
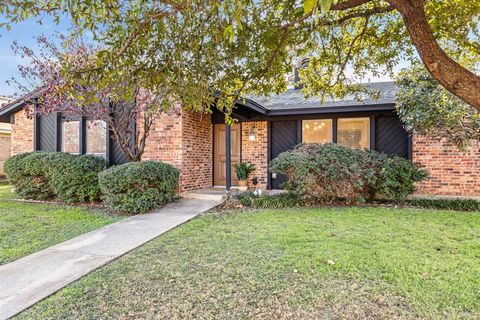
{"points": [[197, 144], [5, 136]]}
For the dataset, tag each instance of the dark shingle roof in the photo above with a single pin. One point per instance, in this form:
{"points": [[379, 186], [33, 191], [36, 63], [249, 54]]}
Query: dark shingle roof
{"points": [[294, 99]]}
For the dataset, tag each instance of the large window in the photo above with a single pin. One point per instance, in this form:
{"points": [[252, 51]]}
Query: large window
{"points": [[71, 136], [97, 138], [317, 131], [354, 132]]}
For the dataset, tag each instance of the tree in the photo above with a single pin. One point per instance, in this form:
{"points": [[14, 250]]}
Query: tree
{"points": [[427, 108], [56, 94], [244, 46]]}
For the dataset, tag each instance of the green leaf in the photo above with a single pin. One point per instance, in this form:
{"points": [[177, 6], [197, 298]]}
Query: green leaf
{"points": [[309, 5]]}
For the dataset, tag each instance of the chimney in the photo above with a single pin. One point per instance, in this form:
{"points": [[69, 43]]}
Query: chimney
{"points": [[302, 65]]}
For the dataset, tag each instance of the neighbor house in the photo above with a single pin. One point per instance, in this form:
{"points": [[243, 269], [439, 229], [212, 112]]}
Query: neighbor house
{"points": [[5, 136], [196, 143]]}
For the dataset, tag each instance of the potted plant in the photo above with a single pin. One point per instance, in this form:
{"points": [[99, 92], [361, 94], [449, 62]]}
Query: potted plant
{"points": [[243, 170]]}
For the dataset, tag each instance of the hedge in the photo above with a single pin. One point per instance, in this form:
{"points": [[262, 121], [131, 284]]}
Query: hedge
{"points": [[322, 173], [55, 175], [138, 187]]}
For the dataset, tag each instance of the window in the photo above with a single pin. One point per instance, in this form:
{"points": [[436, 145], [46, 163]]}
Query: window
{"points": [[317, 131], [97, 138], [71, 136], [354, 132]]}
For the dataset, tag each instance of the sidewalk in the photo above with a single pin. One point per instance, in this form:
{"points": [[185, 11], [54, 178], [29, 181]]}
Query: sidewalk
{"points": [[30, 279]]}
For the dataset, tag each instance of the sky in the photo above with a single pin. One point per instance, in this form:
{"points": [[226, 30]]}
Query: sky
{"points": [[26, 32]]}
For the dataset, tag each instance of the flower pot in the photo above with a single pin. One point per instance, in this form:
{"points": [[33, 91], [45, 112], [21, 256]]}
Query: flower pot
{"points": [[242, 185]]}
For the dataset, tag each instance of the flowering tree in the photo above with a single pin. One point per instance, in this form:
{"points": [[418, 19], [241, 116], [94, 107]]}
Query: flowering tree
{"points": [[129, 120]]}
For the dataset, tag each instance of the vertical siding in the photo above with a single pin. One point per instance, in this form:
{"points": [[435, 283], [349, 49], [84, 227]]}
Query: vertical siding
{"points": [[48, 138]]}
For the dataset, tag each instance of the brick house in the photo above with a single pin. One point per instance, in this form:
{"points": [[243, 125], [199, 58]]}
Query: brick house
{"points": [[197, 144]]}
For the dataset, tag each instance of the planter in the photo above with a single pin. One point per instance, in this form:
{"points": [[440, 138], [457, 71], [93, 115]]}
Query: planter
{"points": [[242, 185]]}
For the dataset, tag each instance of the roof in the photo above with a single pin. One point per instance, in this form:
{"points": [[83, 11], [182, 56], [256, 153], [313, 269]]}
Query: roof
{"points": [[12, 107], [294, 99], [289, 102]]}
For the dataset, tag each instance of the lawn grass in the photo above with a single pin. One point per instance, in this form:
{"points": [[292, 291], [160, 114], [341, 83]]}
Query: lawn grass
{"points": [[29, 227], [331, 263]]}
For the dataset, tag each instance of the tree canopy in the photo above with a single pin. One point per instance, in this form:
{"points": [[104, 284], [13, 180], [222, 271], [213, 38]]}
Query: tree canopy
{"points": [[243, 46], [427, 108]]}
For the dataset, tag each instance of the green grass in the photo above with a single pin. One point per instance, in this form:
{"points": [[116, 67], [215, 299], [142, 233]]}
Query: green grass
{"points": [[29, 227], [385, 263]]}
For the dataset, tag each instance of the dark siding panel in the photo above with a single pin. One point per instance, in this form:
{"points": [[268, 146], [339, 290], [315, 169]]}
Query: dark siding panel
{"points": [[47, 130], [391, 137], [117, 156], [283, 138]]}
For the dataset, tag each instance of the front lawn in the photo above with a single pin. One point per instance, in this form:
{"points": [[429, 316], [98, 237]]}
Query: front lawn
{"points": [[29, 227], [334, 263]]}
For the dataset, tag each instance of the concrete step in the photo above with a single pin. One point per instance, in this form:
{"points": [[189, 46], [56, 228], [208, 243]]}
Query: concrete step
{"points": [[204, 194]]}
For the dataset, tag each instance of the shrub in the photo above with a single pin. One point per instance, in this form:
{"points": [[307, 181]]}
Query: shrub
{"points": [[325, 173], [45, 175], [75, 177], [395, 177], [29, 173], [440, 204], [138, 187]]}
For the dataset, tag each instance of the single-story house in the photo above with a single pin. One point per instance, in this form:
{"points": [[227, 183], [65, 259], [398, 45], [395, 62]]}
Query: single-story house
{"points": [[197, 143]]}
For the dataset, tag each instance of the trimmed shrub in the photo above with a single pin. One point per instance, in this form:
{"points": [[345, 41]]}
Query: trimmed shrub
{"points": [[138, 187], [323, 173], [75, 177], [29, 173], [46, 175]]}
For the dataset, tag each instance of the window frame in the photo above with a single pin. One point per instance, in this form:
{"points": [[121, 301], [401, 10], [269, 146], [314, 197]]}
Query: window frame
{"points": [[334, 119]]}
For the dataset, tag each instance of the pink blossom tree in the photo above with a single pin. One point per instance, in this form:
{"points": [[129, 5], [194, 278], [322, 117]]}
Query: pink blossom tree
{"points": [[126, 108]]}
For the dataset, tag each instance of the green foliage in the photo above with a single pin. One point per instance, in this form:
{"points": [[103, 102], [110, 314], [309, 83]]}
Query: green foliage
{"points": [[46, 175], [138, 187], [282, 200], [427, 108], [326, 173], [30, 174], [243, 170], [394, 176], [74, 178], [440, 204]]}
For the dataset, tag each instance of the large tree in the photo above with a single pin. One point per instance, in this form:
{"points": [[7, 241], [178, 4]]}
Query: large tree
{"points": [[243, 46]]}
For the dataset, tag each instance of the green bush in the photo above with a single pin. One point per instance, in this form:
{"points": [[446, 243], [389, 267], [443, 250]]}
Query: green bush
{"points": [[440, 204], [75, 177], [46, 175], [29, 173], [138, 187], [320, 173]]}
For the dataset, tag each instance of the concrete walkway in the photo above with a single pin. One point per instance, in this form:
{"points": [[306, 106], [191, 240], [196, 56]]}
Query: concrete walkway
{"points": [[30, 279]]}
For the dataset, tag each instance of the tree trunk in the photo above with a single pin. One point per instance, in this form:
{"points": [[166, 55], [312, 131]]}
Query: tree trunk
{"points": [[458, 80]]}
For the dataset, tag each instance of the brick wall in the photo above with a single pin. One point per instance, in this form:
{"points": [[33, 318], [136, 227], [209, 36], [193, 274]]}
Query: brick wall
{"points": [[5, 150], [184, 140], [452, 172], [197, 148], [22, 133], [256, 151]]}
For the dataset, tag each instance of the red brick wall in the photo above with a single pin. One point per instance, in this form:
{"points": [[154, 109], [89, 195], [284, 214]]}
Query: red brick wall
{"points": [[22, 133], [5, 150], [197, 148], [164, 142], [256, 151], [452, 172], [184, 140]]}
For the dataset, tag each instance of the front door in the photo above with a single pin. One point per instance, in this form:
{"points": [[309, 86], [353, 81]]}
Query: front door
{"points": [[219, 154]]}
